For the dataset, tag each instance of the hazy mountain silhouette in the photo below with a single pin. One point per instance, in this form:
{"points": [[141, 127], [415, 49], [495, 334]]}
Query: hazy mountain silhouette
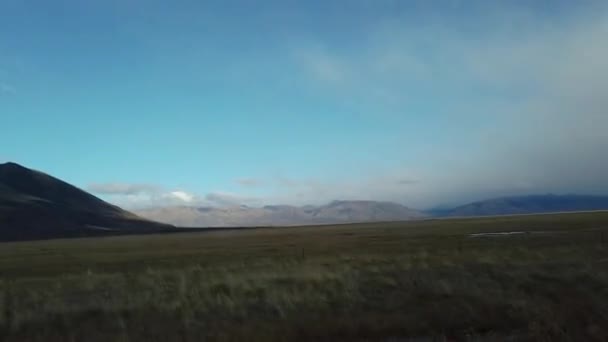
{"points": [[34, 205], [282, 215], [529, 205]]}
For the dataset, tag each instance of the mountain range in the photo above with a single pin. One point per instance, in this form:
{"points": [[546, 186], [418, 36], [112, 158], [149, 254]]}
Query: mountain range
{"points": [[35, 205], [531, 204], [365, 211], [283, 215]]}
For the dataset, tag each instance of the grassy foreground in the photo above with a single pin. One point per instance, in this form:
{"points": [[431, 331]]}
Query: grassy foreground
{"points": [[425, 280]]}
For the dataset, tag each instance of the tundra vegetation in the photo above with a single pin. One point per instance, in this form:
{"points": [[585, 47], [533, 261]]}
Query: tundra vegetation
{"points": [[423, 280]]}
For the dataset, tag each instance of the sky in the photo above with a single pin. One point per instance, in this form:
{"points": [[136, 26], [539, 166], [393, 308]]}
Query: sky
{"points": [[425, 103]]}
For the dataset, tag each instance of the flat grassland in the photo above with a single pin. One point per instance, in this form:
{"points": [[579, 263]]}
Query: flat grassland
{"points": [[424, 280]]}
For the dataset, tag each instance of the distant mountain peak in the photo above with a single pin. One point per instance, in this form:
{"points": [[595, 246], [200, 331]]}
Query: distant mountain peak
{"points": [[14, 167], [9, 164]]}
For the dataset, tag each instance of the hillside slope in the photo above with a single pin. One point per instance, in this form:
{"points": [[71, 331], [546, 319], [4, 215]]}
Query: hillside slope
{"points": [[34, 205]]}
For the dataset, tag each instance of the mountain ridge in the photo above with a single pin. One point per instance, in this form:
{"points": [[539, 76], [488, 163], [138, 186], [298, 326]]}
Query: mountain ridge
{"points": [[338, 211], [528, 204], [35, 205]]}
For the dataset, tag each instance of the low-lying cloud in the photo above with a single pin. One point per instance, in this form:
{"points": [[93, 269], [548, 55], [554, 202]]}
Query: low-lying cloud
{"points": [[182, 196], [123, 188], [133, 195], [136, 196]]}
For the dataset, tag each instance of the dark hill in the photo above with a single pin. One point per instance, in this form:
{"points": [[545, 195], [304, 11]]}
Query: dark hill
{"points": [[531, 205], [34, 205]]}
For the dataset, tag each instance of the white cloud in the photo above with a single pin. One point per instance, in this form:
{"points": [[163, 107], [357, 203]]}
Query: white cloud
{"points": [[182, 196], [136, 196], [133, 195]]}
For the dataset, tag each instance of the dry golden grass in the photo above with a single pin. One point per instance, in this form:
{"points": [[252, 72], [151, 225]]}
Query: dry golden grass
{"points": [[383, 281]]}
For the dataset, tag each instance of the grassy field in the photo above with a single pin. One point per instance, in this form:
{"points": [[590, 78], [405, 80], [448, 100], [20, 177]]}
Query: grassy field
{"points": [[426, 280]]}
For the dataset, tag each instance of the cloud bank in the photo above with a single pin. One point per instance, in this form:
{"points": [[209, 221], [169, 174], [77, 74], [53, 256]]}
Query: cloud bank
{"points": [[525, 95], [536, 89], [123, 188], [138, 196]]}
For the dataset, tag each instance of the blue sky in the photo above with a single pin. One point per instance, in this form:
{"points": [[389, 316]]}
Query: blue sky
{"points": [[229, 102]]}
